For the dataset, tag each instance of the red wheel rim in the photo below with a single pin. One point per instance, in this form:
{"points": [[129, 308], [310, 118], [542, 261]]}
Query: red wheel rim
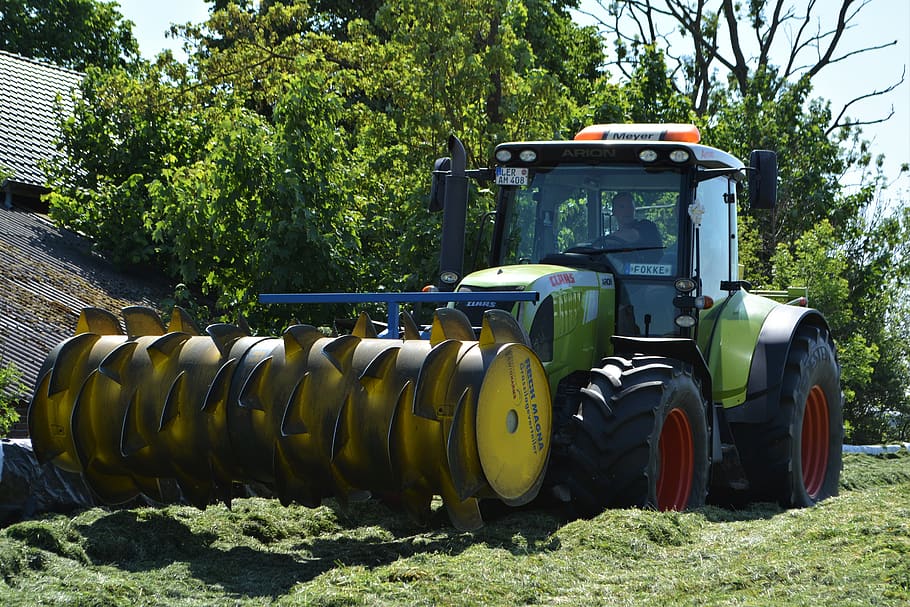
{"points": [[677, 462], [816, 441]]}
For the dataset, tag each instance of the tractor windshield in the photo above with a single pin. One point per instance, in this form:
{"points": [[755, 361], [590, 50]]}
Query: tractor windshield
{"points": [[628, 215]]}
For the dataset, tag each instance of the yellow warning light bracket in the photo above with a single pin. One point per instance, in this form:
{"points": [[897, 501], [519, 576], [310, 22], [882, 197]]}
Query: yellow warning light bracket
{"points": [[687, 133]]}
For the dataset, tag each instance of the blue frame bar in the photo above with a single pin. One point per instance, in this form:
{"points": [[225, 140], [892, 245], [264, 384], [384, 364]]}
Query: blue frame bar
{"points": [[394, 299]]}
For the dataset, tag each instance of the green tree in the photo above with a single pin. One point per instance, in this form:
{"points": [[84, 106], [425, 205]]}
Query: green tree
{"points": [[649, 95], [11, 389], [870, 327], [817, 262], [810, 162], [125, 129], [747, 70], [265, 208], [71, 33], [879, 256], [282, 157], [419, 73], [571, 53]]}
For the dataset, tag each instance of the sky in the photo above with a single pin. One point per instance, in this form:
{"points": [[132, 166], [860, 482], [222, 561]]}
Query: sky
{"points": [[152, 18], [880, 21]]}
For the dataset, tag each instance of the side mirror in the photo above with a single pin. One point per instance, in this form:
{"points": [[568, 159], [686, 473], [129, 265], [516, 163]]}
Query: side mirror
{"points": [[762, 174], [441, 168]]}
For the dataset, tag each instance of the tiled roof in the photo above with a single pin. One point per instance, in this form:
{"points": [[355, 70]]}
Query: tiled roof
{"points": [[47, 275], [28, 113]]}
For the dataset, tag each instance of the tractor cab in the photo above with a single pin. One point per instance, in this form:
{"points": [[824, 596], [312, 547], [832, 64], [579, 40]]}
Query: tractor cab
{"points": [[644, 204], [618, 220]]}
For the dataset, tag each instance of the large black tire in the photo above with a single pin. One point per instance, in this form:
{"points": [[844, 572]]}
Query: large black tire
{"points": [[639, 438], [794, 458]]}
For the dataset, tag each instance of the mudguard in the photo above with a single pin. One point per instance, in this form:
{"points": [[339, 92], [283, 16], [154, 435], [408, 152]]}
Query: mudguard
{"points": [[763, 390], [682, 349], [745, 340]]}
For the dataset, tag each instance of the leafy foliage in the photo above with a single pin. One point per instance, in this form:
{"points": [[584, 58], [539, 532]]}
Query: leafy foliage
{"points": [[817, 264], [70, 33], [10, 383], [284, 159], [856, 285], [125, 130], [809, 163]]}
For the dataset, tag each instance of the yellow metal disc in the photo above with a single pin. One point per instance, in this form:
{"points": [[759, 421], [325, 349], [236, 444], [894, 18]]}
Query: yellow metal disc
{"points": [[513, 422]]}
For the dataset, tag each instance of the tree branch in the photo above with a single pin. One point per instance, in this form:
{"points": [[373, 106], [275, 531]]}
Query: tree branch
{"points": [[842, 21], [766, 40], [862, 50], [740, 69], [837, 124]]}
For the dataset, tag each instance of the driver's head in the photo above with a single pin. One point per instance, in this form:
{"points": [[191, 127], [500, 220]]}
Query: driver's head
{"points": [[623, 208]]}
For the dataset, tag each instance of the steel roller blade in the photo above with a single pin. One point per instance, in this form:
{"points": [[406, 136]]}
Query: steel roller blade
{"points": [[306, 415]]}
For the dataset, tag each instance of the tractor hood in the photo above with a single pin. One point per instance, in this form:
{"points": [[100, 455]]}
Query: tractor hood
{"points": [[580, 287], [547, 280], [543, 278], [569, 325]]}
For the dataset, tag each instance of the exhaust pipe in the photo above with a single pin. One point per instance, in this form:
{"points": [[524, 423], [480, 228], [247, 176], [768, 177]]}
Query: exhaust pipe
{"points": [[454, 217]]}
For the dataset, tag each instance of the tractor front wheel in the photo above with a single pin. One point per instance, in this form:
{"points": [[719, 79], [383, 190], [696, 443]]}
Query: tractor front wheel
{"points": [[639, 438]]}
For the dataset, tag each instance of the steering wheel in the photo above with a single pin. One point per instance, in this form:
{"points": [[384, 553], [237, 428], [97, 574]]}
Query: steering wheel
{"points": [[610, 241], [600, 245]]}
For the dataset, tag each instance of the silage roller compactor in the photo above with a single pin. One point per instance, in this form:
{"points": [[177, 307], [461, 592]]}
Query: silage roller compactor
{"points": [[306, 415]]}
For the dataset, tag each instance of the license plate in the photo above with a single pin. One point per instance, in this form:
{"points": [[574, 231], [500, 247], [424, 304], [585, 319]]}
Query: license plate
{"points": [[511, 176]]}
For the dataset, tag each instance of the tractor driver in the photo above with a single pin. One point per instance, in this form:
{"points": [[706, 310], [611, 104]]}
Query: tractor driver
{"points": [[638, 234]]}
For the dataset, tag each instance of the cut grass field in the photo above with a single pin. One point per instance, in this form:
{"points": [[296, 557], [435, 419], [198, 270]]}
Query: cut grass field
{"points": [[850, 550]]}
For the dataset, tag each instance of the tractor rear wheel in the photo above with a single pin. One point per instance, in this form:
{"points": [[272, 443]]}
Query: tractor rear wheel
{"points": [[639, 438], [794, 459]]}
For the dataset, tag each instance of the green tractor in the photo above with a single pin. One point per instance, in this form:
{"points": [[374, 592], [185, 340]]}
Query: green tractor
{"points": [[609, 355], [671, 382]]}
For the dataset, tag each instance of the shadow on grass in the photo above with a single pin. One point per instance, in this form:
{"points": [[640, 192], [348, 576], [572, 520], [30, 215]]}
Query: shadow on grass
{"points": [[749, 512], [144, 540]]}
